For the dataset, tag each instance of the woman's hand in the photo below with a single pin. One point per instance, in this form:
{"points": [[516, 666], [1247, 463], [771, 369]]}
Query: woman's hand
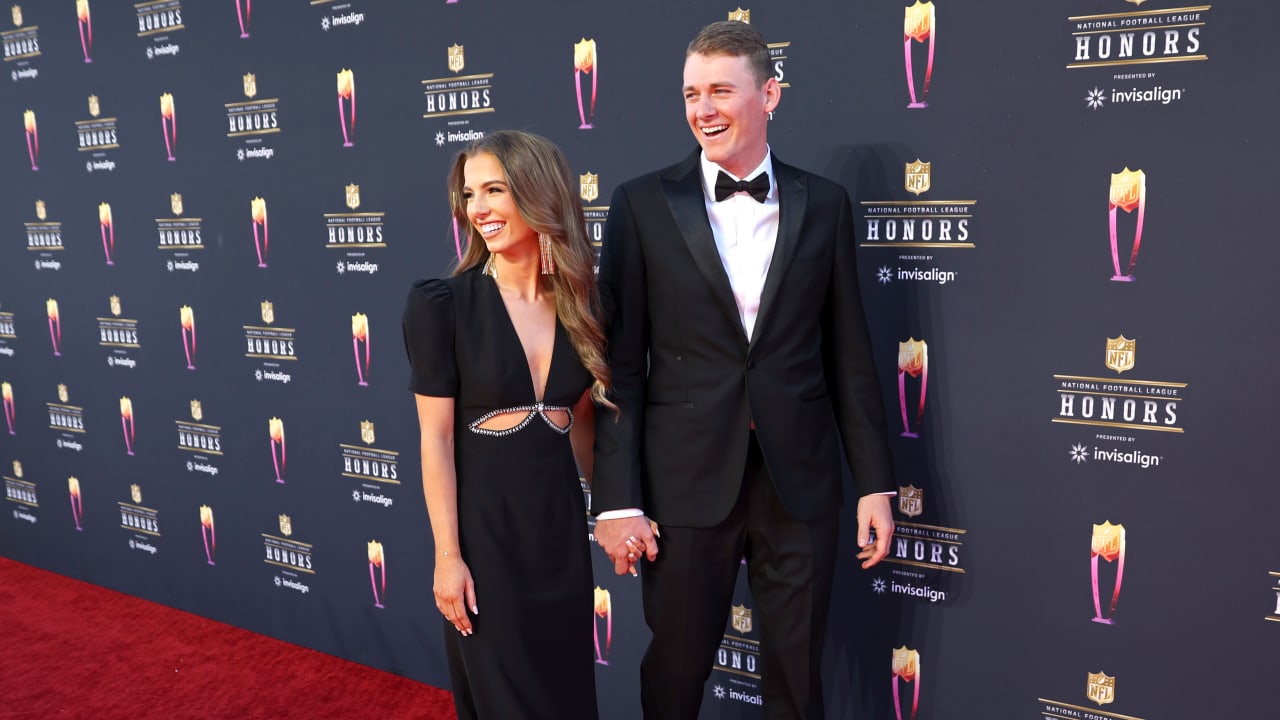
{"points": [[455, 592]]}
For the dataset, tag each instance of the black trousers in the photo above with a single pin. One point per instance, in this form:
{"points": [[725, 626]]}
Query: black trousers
{"points": [[688, 590]]}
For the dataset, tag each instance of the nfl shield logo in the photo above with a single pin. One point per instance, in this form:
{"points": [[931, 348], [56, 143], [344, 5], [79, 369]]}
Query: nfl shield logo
{"points": [[741, 619], [1128, 188], [589, 187], [135, 492], [906, 663], [17, 469], [115, 305], [250, 85], [62, 393], [268, 312], [17, 16], [93, 106], [740, 15], [175, 203], [1102, 688], [366, 432], [910, 500], [456, 59], [918, 177], [40, 210], [286, 525], [353, 196], [1120, 353], [197, 412]]}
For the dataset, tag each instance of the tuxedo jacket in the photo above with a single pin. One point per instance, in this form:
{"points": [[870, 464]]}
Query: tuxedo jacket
{"points": [[689, 384]]}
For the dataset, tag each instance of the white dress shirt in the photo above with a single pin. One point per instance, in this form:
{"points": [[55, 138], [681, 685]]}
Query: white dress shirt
{"points": [[745, 231]]}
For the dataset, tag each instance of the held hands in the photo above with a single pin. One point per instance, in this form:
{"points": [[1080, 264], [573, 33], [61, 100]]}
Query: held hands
{"points": [[875, 517], [626, 539], [454, 587]]}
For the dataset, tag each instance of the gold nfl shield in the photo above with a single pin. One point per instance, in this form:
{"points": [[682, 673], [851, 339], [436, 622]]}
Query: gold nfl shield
{"points": [[17, 469], [94, 108], [1121, 353], [910, 500], [41, 212], [62, 393], [456, 59], [906, 663], [115, 305], [1128, 188], [135, 492], [741, 619], [268, 312], [589, 187], [1101, 689], [1108, 541], [740, 15], [353, 196], [17, 16], [918, 177], [366, 432], [250, 85], [197, 411], [286, 525], [175, 203], [911, 356]]}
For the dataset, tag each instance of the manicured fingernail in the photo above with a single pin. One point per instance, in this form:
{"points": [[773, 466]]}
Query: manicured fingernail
{"points": [[475, 609]]}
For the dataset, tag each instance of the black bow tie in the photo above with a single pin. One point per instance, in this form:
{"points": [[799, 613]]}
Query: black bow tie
{"points": [[757, 187]]}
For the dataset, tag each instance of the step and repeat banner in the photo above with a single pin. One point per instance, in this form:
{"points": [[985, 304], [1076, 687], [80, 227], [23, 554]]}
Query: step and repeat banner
{"points": [[212, 212]]}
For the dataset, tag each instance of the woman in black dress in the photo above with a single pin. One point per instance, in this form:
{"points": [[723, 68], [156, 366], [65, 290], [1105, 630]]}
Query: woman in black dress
{"points": [[507, 363]]}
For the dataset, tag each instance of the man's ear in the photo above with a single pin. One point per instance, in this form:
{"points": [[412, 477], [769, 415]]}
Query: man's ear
{"points": [[772, 94]]}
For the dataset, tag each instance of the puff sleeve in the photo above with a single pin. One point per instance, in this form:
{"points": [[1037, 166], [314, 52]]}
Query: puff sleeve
{"points": [[428, 326]]}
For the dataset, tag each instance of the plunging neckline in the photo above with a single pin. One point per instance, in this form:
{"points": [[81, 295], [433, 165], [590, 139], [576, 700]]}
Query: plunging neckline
{"points": [[511, 325]]}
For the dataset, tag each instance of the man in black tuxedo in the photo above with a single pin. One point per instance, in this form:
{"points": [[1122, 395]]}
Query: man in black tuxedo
{"points": [[742, 367]]}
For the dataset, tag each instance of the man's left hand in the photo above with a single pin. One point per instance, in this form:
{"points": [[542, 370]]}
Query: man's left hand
{"points": [[874, 513]]}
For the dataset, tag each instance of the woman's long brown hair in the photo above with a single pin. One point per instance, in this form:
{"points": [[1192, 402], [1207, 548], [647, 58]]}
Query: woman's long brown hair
{"points": [[540, 182]]}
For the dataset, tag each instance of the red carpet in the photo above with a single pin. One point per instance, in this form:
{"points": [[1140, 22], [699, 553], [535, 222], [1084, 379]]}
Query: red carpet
{"points": [[69, 649]]}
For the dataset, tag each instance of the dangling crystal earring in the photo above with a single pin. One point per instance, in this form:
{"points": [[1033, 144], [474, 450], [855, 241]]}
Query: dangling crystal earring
{"points": [[490, 268], [548, 262]]}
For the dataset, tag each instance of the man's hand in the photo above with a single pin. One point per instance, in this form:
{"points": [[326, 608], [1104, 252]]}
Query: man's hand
{"points": [[625, 539], [874, 513]]}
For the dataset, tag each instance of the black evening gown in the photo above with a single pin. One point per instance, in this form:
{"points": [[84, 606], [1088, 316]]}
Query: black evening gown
{"points": [[521, 513]]}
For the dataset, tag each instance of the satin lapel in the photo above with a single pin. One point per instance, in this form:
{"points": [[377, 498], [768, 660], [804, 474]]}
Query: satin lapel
{"points": [[793, 194], [683, 191]]}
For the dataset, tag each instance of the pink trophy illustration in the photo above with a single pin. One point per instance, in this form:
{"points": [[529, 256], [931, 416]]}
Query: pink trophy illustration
{"points": [[169, 124], [347, 91], [207, 532], [919, 25], [603, 609], [243, 16], [913, 360], [586, 60], [55, 326], [258, 208], [276, 427], [1128, 193], [77, 506], [33, 137], [6, 390], [377, 560], [126, 423], [360, 334], [906, 666], [107, 227], [1108, 544], [86, 29], [187, 317]]}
